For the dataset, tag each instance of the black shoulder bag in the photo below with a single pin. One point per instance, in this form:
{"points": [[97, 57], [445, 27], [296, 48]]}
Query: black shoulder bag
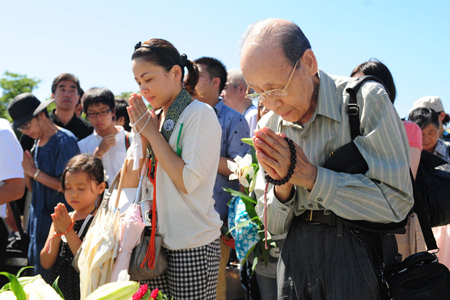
{"points": [[434, 188], [420, 276], [348, 159]]}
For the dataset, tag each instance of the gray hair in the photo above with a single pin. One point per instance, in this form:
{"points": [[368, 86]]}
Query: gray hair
{"points": [[280, 33], [236, 78]]}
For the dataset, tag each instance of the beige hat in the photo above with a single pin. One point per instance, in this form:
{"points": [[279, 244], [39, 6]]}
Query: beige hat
{"points": [[432, 102]]}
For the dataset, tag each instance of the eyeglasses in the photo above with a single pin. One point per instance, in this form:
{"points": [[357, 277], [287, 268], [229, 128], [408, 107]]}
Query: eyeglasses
{"points": [[100, 113], [275, 93], [25, 126]]}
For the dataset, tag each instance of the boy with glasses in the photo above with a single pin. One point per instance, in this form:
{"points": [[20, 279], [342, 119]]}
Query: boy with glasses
{"points": [[108, 142]]}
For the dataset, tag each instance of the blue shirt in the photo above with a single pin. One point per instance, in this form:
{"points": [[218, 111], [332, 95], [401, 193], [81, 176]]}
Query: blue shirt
{"points": [[50, 159], [234, 128], [445, 136]]}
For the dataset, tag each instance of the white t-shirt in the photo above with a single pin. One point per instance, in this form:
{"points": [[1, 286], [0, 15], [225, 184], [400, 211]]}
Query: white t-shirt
{"points": [[190, 220], [11, 156], [113, 159], [250, 115]]}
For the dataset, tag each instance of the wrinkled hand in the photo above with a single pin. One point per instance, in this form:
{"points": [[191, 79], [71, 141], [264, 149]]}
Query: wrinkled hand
{"points": [[28, 164], [137, 109], [107, 142], [274, 155], [61, 218]]}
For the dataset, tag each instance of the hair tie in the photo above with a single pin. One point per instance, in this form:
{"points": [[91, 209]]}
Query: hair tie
{"points": [[184, 59], [140, 45]]}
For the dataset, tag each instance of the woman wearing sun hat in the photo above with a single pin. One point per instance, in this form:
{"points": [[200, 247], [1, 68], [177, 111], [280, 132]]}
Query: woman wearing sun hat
{"points": [[43, 166]]}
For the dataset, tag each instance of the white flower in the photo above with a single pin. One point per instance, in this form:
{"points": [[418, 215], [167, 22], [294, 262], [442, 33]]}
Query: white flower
{"points": [[39, 289], [241, 168]]}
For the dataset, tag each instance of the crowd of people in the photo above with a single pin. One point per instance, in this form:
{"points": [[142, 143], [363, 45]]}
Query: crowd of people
{"points": [[297, 116]]}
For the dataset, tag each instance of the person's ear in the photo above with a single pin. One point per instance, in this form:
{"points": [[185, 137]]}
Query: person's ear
{"points": [[101, 188], [242, 90], [176, 71], [441, 116], [216, 82], [309, 61], [113, 113], [121, 121]]}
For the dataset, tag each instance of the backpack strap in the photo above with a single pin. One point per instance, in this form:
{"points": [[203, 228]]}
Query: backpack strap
{"points": [[352, 109]]}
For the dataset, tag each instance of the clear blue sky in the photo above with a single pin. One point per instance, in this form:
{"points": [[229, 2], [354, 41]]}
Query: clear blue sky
{"points": [[94, 39]]}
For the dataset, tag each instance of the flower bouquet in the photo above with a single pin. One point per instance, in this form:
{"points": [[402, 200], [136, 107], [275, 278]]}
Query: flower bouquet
{"points": [[246, 227], [144, 294], [29, 287]]}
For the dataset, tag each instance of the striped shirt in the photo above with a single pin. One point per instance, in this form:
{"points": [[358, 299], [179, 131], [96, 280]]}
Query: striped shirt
{"points": [[383, 194]]}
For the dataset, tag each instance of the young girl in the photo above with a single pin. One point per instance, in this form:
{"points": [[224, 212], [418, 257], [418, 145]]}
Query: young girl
{"points": [[83, 183], [184, 142]]}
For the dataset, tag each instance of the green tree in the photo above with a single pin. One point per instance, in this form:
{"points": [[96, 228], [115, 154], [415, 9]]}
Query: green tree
{"points": [[12, 85], [124, 95]]}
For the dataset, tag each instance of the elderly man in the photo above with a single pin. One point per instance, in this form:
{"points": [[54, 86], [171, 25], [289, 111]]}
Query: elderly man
{"points": [[321, 258], [233, 95]]}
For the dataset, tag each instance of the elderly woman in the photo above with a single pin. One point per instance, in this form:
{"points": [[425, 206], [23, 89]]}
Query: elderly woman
{"points": [[428, 121]]}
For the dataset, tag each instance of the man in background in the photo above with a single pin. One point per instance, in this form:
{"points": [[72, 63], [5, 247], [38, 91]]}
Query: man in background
{"points": [[213, 76], [233, 95], [66, 91]]}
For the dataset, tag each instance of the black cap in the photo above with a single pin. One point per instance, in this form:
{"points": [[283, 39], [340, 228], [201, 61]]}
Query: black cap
{"points": [[24, 107]]}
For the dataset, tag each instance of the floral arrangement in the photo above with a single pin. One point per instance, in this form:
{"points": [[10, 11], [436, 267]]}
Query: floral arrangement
{"points": [[144, 294], [29, 287], [245, 170]]}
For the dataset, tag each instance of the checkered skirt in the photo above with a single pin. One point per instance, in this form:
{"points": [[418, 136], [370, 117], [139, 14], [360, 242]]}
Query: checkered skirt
{"points": [[191, 273]]}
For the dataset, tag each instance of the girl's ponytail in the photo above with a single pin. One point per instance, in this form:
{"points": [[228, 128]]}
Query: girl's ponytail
{"points": [[192, 77]]}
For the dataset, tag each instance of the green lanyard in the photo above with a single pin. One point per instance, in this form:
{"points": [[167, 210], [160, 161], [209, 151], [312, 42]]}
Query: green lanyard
{"points": [[178, 141]]}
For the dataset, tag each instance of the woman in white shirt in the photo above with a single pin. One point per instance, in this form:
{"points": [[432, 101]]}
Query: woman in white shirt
{"points": [[184, 146]]}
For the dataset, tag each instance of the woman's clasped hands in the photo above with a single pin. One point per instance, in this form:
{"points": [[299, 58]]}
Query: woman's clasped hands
{"points": [[140, 117]]}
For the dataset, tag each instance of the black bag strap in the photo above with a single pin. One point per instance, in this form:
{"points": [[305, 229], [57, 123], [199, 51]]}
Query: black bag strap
{"points": [[352, 109], [419, 209], [16, 213]]}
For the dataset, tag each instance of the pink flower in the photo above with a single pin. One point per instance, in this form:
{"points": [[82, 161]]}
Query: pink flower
{"points": [[154, 294], [141, 292]]}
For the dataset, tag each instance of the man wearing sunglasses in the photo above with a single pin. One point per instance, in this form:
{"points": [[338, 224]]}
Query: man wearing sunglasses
{"points": [[323, 256]]}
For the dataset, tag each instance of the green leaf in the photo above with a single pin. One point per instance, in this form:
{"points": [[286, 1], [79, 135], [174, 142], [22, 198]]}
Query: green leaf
{"points": [[248, 254], [242, 224], [23, 269], [240, 194], [256, 257], [248, 141], [265, 253], [15, 286], [56, 287]]}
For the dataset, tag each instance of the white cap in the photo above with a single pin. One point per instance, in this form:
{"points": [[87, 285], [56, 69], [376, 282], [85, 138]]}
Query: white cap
{"points": [[432, 102]]}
